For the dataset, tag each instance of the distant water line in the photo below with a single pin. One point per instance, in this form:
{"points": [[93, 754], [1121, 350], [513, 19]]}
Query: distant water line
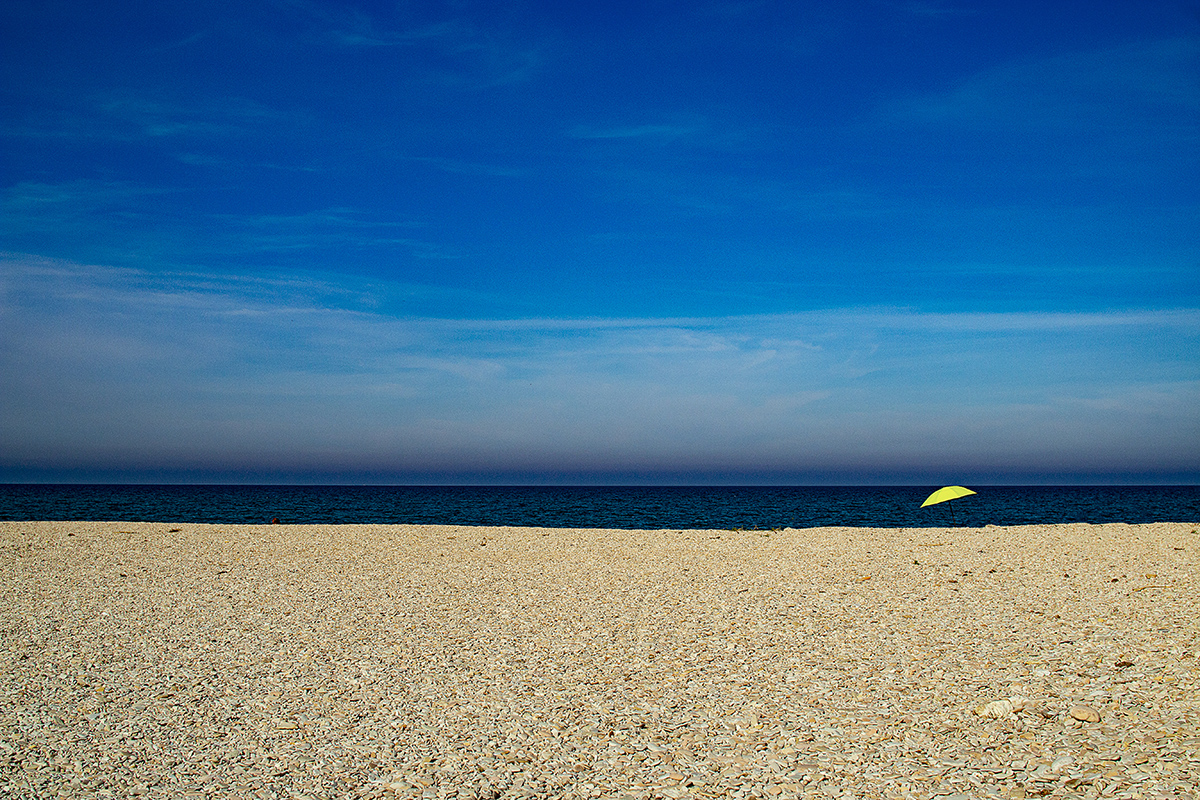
{"points": [[619, 507]]}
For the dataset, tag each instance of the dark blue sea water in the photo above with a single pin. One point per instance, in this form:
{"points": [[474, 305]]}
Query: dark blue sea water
{"points": [[629, 507]]}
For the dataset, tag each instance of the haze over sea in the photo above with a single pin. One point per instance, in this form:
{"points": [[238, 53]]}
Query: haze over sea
{"points": [[621, 507]]}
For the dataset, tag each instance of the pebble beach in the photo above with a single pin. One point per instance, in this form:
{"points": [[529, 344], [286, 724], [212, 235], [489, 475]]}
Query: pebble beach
{"points": [[377, 661]]}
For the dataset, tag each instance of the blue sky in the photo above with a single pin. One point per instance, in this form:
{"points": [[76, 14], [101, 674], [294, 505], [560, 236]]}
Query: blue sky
{"points": [[704, 242]]}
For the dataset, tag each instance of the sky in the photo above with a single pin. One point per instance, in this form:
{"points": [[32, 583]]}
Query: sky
{"points": [[758, 242]]}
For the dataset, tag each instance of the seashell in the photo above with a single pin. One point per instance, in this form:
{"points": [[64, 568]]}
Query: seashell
{"points": [[997, 709], [1085, 713]]}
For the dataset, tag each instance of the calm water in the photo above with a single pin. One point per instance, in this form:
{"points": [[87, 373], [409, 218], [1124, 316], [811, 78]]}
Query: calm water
{"points": [[601, 507]]}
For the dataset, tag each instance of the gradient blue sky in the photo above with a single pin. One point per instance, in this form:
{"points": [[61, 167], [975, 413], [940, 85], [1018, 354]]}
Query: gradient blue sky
{"points": [[506, 242]]}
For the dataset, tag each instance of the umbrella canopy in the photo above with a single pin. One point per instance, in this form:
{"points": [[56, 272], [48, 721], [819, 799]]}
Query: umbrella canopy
{"points": [[946, 493]]}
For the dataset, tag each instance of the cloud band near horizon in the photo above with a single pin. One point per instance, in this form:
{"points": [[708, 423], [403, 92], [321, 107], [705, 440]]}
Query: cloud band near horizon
{"points": [[116, 372]]}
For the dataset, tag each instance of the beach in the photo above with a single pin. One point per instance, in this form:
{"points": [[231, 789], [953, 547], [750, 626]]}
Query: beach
{"points": [[187, 660]]}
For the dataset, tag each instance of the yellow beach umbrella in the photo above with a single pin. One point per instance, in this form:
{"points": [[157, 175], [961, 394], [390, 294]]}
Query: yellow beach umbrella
{"points": [[946, 493]]}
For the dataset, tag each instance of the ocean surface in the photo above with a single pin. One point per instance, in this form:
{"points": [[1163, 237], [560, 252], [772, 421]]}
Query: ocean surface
{"points": [[627, 507]]}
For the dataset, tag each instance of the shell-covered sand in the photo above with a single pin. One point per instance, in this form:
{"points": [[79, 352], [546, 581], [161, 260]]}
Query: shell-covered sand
{"points": [[188, 660]]}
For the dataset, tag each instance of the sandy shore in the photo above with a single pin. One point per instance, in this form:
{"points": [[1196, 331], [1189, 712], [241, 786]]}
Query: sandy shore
{"points": [[372, 661]]}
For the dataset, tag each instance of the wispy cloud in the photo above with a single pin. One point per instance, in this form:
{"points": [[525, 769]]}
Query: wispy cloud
{"points": [[472, 55], [155, 118], [304, 368], [84, 210], [129, 116], [338, 226], [142, 222], [1101, 90], [186, 41]]}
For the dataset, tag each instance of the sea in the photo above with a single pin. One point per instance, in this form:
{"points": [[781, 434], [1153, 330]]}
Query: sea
{"points": [[619, 507]]}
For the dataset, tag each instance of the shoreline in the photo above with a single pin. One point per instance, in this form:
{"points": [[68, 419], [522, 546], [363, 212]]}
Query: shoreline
{"points": [[395, 660]]}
